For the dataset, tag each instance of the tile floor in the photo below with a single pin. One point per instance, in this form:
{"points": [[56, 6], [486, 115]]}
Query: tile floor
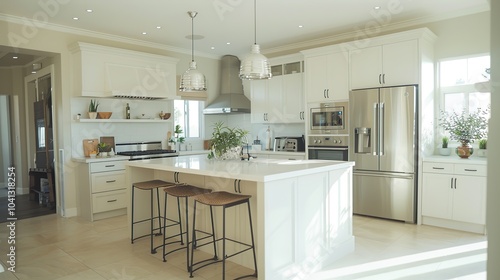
{"points": [[50, 247]]}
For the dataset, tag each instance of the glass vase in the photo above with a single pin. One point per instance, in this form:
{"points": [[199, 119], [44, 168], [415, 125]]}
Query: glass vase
{"points": [[465, 150]]}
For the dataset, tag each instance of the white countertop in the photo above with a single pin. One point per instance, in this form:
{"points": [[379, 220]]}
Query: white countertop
{"points": [[99, 159], [258, 170], [205, 152], [455, 159]]}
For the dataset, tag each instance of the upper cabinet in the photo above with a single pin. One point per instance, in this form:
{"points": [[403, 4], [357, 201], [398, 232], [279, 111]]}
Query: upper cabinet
{"points": [[101, 71], [327, 76], [385, 65], [281, 98]]}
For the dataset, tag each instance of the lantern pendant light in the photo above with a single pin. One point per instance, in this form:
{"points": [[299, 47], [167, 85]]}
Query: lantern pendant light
{"points": [[192, 79], [255, 66]]}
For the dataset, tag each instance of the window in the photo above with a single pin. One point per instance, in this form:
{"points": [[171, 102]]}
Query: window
{"points": [[457, 79], [188, 114]]}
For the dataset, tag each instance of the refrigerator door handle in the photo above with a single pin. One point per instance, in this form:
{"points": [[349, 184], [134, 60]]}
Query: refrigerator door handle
{"points": [[381, 130], [375, 130]]}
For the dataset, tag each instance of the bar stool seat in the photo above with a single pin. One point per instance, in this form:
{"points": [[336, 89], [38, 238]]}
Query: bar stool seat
{"points": [[179, 191], [225, 200], [150, 185]]}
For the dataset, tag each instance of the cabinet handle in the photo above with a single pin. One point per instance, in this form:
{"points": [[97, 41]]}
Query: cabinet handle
{"points": [[113, 200], [111, 181], [112, 165], [451, 183], [324, 93], [176, 177], [327, 93], [234, 185], [239, 186], [471, 170], [438, 168], [383, 78], [455, 183], [380, 78]]}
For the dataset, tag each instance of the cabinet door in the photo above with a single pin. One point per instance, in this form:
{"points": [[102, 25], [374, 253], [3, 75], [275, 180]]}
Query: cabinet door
{"points": [[316, 78], [437, 195], [274, 100], [400, 63], [259, 101], [338, 76], [293, 98], [366, 67], [469, 199]]}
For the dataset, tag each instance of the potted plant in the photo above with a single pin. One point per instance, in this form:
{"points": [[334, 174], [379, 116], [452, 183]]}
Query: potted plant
{"points": [[465, 128], [94, 104], [177, 138], [444, 150], [103, 149], [482, 148], [226, 142]]}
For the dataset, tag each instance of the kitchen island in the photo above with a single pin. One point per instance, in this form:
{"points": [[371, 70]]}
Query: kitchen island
{"points": [[301, 209]]}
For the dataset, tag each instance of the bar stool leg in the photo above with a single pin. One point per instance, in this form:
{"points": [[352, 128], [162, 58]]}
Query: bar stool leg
{"points": [[253, 243], [158, 203], [187, 231], [151, 221], [164, 227], [132, 227], [193, 243], [224, 243]]}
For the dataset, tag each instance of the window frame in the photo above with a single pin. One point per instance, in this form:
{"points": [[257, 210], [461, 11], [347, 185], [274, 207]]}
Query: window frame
{"points": [[186, 120]]}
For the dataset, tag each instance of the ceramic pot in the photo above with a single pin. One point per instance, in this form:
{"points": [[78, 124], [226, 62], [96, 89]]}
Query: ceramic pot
{"points": [[481, 152], [445, 151], [92, 115], [465, 150]]}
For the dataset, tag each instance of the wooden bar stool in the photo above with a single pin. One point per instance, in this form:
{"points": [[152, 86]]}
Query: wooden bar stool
{"points": [[179, 191], [149, 186], [226, 200]]}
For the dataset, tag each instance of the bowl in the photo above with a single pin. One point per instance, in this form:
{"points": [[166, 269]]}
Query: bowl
{"points": [[104, 115], [166, 116]]}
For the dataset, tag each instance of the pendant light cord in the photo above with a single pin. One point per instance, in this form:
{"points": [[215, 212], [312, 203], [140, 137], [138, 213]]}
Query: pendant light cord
{"points": [[192, 38], [255, 21]]}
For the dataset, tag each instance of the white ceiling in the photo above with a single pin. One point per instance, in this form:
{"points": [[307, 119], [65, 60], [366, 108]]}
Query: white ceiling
{"points": [[223, 21]]}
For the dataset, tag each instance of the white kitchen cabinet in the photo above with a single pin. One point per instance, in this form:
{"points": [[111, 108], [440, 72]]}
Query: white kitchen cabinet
{"points": [[454, 195], [327, 77], [102, 192], [100, 71], [385, 65], [279, 99]]}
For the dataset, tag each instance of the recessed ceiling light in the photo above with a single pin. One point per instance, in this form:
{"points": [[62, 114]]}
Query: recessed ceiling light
{"points": [[75, 18], [376, 7], [89, 11], [300, 26], [144, 33], [158, 27], [212, 48], [228, 43], [15, 57]]}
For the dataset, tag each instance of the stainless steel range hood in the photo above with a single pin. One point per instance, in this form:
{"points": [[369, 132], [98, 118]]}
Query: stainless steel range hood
{"points": [[231, 99]]}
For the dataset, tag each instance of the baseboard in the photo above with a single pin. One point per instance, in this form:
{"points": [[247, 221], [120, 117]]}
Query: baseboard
{"points": [[71, 212], [437, 222]]}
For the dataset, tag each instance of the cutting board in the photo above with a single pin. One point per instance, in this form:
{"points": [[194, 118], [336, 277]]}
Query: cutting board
{"points": [[110, 140], [89, 145]]}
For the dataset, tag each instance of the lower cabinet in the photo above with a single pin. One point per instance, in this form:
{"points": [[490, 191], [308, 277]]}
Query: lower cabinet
{"points": [[102, 192], [454, 195]]}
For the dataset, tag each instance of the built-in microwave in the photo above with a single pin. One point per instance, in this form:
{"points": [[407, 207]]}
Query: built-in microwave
{"points": [[329, 118]]}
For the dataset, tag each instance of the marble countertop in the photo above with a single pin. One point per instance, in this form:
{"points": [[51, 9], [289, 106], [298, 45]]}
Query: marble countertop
{"points": [[99, 159], [257, 170]]}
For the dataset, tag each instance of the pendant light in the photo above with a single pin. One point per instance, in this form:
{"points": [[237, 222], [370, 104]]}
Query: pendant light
{"points": [[255, 66], [192, 79]]}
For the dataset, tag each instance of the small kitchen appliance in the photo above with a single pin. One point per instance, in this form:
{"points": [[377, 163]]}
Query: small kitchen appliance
{"points": [[144, 150], [289, 144], [329, 118]]}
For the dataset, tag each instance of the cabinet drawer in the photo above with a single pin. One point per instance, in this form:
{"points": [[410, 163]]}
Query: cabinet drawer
{"points": [[108, 201], [107, 166], [438, 167], [108, 181], [470, 169]]}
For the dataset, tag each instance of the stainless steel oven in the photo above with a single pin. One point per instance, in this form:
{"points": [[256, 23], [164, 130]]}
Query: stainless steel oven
{"points": [[329, 118], [328, 147]]}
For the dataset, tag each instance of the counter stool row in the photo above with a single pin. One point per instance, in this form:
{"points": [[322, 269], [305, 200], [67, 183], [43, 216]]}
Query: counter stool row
{"points": [[199, 195]]}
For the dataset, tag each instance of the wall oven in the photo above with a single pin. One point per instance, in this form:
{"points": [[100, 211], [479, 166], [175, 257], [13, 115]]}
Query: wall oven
{"points": [[329, 118], [328, 147]]}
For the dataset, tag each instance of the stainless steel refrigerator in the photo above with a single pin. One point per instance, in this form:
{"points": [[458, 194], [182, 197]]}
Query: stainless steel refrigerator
{"points": [[383, 144]]}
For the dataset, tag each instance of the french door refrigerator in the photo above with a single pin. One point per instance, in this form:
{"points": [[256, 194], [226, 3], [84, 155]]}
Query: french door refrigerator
{"points": [[383, 145]]}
